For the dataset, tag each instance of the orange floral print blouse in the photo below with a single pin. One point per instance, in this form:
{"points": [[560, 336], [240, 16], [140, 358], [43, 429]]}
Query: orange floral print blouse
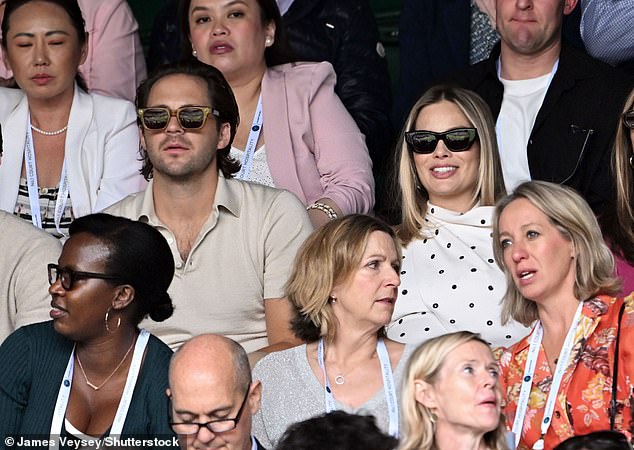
{"points": [[585, 393]]}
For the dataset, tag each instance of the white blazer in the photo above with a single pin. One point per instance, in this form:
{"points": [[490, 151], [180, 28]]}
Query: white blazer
{"points": [[101, 151]]}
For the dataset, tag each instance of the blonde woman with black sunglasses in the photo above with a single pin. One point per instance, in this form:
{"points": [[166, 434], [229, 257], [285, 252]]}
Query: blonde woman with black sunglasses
{"points": [[448, 179]]}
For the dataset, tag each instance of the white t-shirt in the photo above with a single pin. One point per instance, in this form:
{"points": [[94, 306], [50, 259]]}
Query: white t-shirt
{"points": [[520, 105]]}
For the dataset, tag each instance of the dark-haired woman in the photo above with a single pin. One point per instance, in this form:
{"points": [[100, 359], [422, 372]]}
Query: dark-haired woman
{"points": [[295, 132], [90, 372], [67, 153], [343, 286]]}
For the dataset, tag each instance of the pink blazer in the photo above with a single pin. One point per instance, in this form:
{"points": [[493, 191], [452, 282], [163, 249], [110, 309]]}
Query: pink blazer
{"points": [[313, 146]]}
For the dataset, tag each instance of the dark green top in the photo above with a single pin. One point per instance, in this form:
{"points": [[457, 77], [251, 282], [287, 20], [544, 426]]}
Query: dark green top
{"points": [[33, 360]]}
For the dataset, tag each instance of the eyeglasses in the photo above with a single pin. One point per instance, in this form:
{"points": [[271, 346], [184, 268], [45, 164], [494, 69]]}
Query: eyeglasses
{"points": [[189, 117], [456, 140], [68, 276], [215, 426], [628, 119]]}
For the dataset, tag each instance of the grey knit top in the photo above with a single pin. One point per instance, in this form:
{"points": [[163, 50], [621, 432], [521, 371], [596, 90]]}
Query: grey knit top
{"points": [[291, 393]]}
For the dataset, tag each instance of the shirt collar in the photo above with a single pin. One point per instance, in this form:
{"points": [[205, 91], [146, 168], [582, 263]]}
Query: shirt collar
{"points": [[593, 308], [228, 196]]}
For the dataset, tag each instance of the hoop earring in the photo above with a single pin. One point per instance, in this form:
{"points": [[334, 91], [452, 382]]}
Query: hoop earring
{"points": [[106, 321]]}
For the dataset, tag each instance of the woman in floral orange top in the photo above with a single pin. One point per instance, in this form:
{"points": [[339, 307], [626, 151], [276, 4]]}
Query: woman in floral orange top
{"points": [[560, 278]]}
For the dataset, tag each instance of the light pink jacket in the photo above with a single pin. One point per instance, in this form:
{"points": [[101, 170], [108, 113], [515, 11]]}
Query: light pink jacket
{"points": [[115, 64], [313, 146]]}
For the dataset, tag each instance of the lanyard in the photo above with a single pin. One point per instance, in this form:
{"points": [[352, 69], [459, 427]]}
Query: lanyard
{"points": [[388, 384], [254, 135], [31, 178], [527, 380], [498, 122], [126, 397]]}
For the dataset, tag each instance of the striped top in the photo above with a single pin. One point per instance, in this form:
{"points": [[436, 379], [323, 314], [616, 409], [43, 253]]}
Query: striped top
{"points": [[48, 197]]}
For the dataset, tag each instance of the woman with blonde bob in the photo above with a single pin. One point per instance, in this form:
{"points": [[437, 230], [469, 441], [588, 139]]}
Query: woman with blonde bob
{"points": [[451, 397], [449, 177], [560, 279], [343, 286]]}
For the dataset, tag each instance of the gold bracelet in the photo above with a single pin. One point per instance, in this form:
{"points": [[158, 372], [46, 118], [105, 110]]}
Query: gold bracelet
{"points": [[326, 209]]}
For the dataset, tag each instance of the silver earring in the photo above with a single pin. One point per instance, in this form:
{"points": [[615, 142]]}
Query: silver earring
{"points": [[632, 162], [332, 299], [106, 320], [268, 40], [195, 53]]}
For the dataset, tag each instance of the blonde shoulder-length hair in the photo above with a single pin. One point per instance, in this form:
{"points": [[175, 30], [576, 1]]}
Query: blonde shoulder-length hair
{"points": [[327, 258], [571, 215], [408, 190], [425, 364]]}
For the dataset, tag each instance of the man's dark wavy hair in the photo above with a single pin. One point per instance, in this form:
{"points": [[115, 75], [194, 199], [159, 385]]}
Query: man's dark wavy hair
{"points": [[336, 430], [221, 98]]}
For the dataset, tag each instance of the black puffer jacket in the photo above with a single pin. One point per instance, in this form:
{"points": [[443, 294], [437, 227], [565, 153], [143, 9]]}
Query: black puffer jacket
{"points": [[343, 33]]}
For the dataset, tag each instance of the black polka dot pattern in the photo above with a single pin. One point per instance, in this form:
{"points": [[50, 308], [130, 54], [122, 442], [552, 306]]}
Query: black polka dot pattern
{"points": [[450, 281]]}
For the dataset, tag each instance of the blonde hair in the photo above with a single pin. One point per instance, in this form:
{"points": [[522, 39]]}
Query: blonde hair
{"points": [[328, 257], [408, 191], [571, 215], [618, 223], [425, 364]]}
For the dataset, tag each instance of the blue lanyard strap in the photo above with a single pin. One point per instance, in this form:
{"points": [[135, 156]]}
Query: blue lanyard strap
{"points": [[252, 142], [389, 386], [529, 371], [32, 185]]}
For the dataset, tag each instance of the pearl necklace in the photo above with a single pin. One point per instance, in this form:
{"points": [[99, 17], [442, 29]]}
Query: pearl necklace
{"points": [[48, 133], [94, 386]]}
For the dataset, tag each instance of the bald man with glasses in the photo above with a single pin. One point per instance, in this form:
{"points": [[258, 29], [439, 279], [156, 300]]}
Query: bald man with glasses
{"points": [[212, 396]]}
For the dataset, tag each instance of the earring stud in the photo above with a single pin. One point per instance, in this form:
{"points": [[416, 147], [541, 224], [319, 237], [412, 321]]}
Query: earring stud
{"points": [[195, 53]]}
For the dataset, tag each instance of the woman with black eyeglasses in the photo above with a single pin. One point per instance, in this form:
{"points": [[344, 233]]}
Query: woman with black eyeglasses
{"points": [[448, 179], [91, 372], [617, 222]]}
